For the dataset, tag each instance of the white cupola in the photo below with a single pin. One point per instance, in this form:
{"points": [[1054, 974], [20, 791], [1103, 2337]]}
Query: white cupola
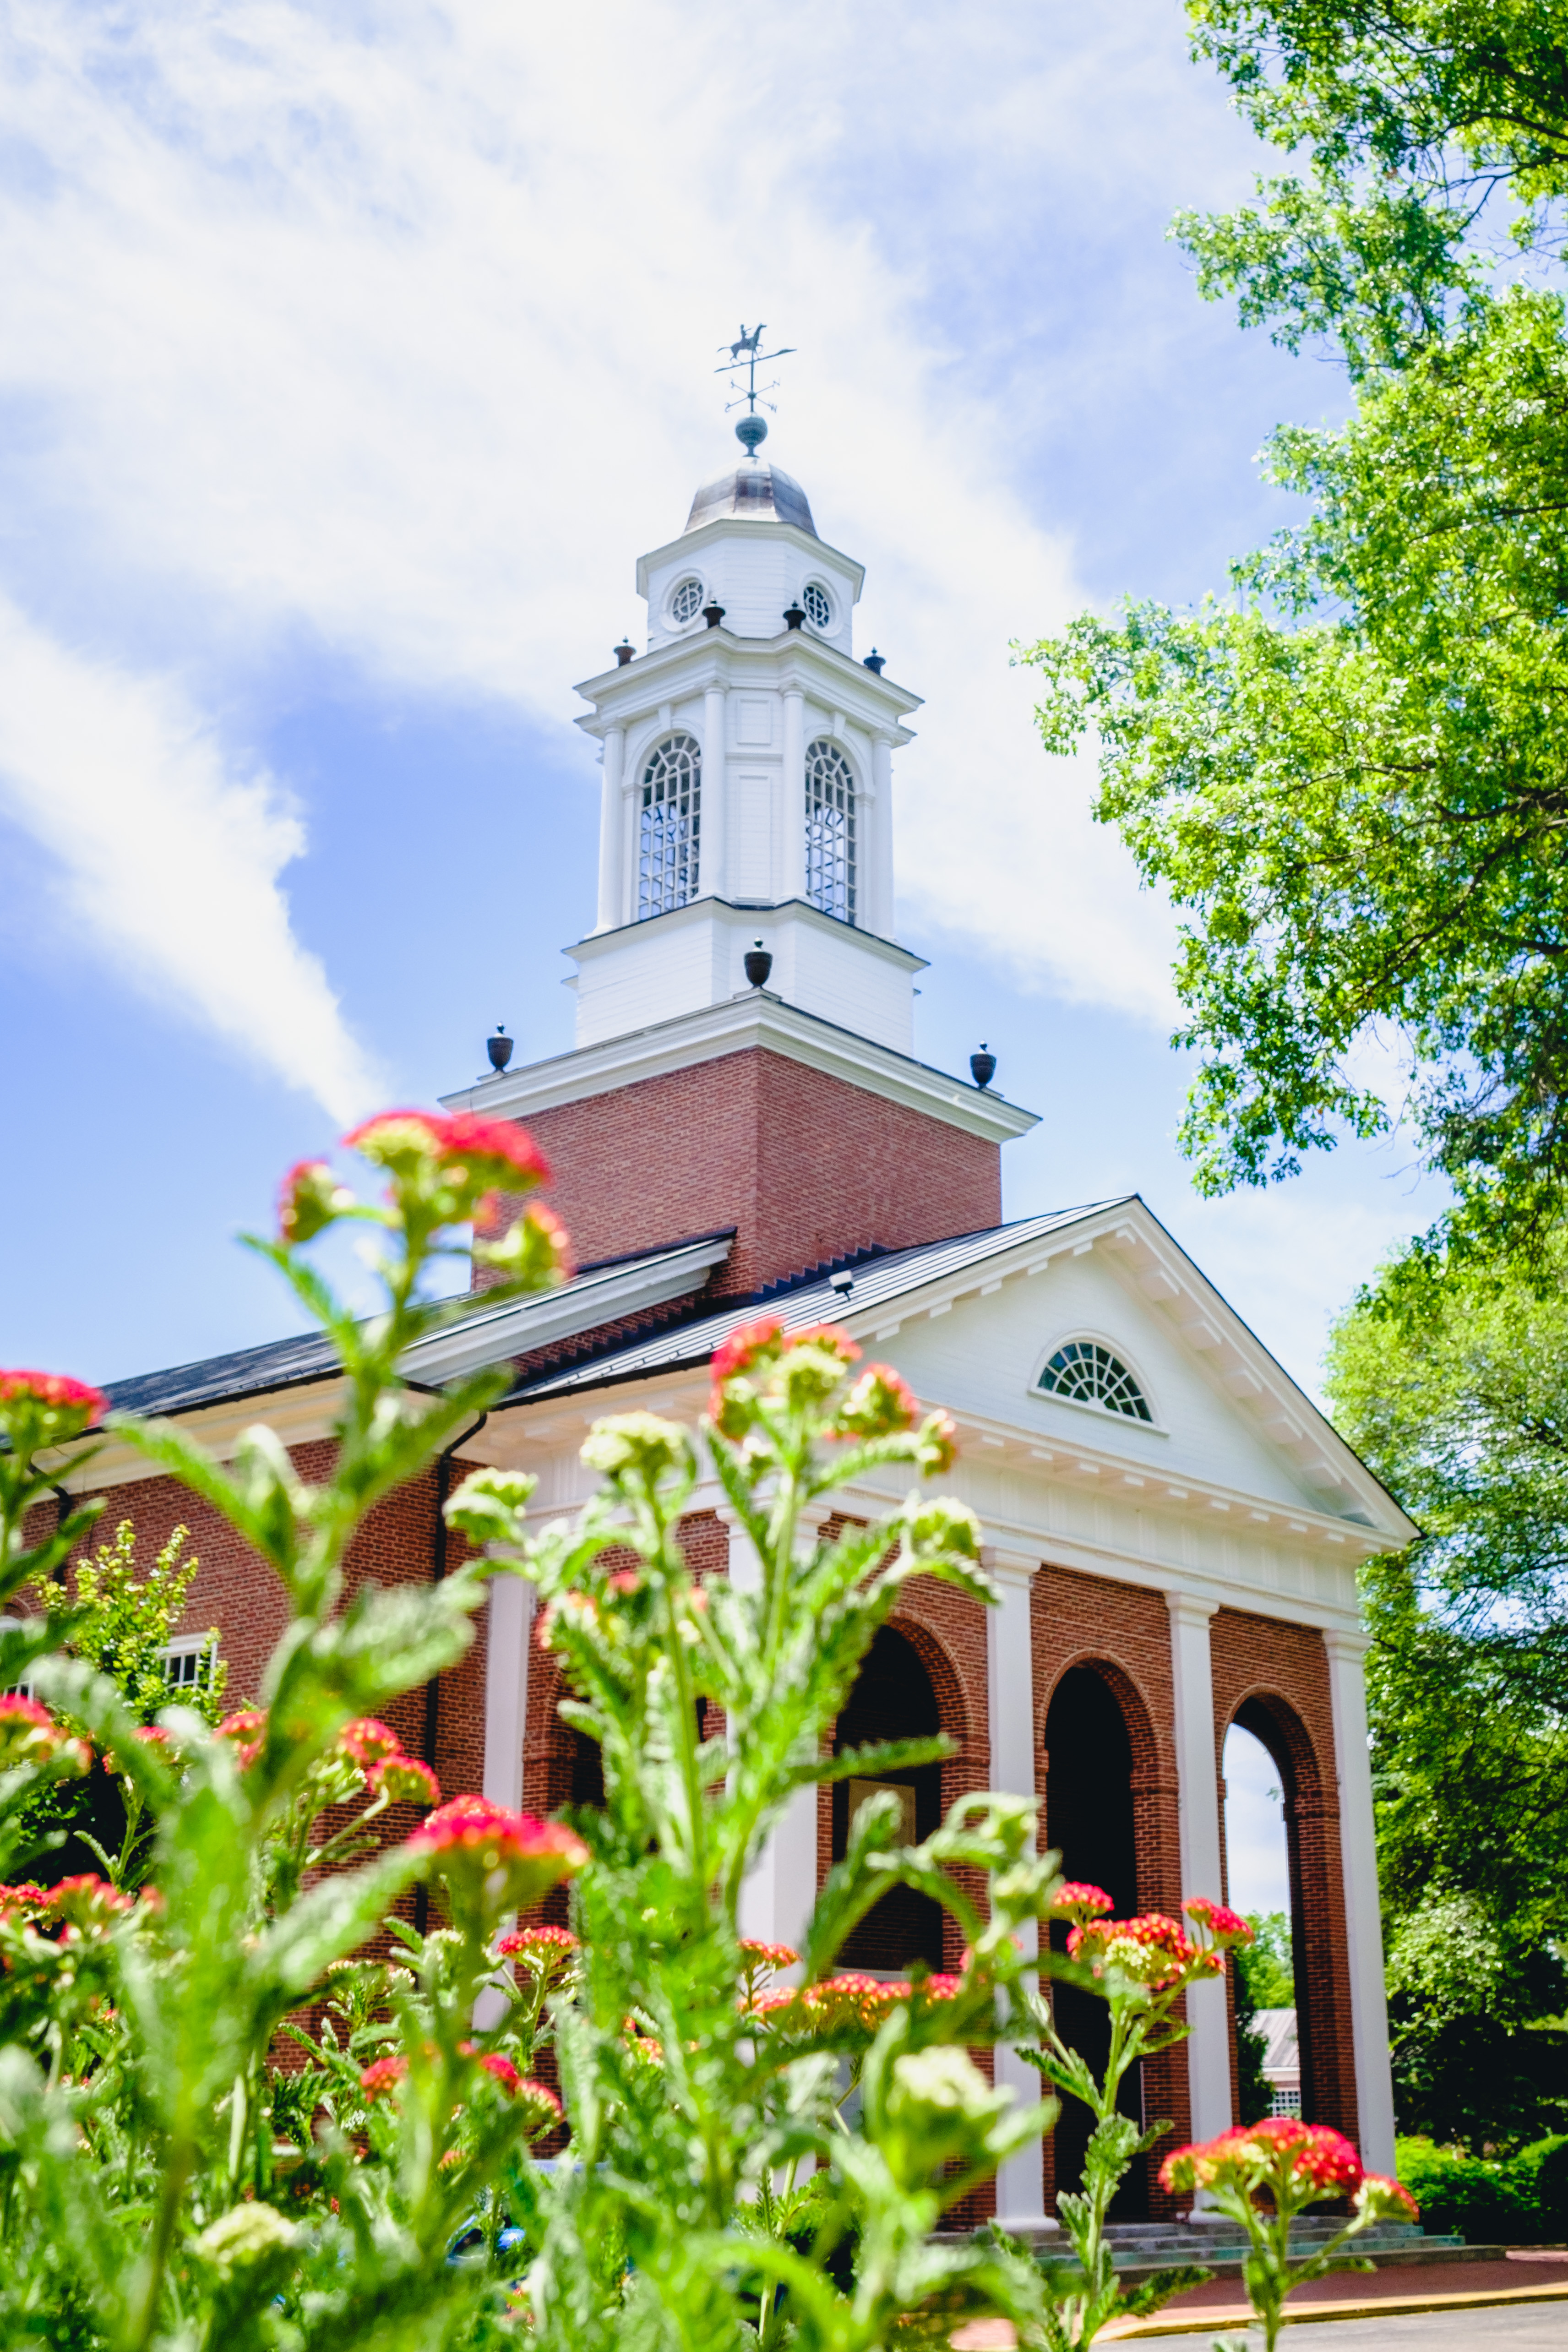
{"points": [[747, 781]]}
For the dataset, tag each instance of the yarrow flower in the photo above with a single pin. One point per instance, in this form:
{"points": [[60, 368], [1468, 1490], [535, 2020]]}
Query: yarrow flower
{"points": [[1226, 1928], [27, 1898], [247, 1727], [87, 1905], [540, 1949], [1298, 2157], [497, 2064], [309, 1199], [30, 1735], [1077, 1900], [42, 1408], [369, 1741], [449, 1162], [880, 1401], [755, 1955], [1154, 1951], [490, 1860], [383, 2074], [405, 1780], [539, 2104]]}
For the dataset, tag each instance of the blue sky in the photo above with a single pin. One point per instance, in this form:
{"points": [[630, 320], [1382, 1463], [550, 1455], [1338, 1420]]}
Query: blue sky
{"points": [[351, 356]]}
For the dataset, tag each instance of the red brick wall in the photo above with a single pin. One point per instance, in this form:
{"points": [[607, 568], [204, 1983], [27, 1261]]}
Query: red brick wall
{"points": [[805, 1167], [239, 1593], [1124, 1632], [1279, 1675]]}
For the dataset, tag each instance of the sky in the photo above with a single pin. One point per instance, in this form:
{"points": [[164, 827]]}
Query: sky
{"points": [[349, 357]]}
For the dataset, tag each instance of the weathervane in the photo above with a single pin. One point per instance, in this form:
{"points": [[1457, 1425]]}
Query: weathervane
{"points": [[751, 430]]}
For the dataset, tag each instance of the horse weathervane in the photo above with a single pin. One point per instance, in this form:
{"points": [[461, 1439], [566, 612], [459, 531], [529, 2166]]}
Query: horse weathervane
{"points": [[751, 430]]}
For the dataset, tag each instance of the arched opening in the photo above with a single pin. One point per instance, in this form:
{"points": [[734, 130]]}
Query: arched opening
{"points": [[1090, 1819], [893, 1698], [1257, 1883], [1311, 1852], [669, 826]]}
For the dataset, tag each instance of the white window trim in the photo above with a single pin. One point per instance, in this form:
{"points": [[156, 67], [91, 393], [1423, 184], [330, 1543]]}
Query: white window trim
{"points": [[675, 586], [821, 628], [1156, 1425], [192, 1645]]}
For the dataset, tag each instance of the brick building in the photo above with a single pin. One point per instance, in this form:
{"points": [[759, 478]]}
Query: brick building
{"points": [[1174, 1527]]}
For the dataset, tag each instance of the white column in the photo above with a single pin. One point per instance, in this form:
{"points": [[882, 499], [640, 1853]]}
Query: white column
{"points": [[1363, 1921], [880, 878], [713, 860], [509, 1622], [1010, 1678], [794, 793], [612, 835], [780, 1890], [1208, 2046]]}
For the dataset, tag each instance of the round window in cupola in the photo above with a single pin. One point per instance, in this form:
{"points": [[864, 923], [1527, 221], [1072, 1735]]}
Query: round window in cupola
{"points": [[685, 601], [818, 604]]}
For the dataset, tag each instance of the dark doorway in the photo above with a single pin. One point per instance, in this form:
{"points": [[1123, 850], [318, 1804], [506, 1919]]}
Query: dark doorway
{"points": [[892, 1699], [1090, 1818]]}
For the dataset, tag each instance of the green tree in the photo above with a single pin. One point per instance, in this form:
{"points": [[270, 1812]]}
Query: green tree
{"points": [[1452, 1380], [1352, 775], [1264, 1980], [120, 1626]]}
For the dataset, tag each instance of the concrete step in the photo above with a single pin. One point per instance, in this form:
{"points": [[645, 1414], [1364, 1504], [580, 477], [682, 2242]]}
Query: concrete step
{"points": [[1139, 2249]]}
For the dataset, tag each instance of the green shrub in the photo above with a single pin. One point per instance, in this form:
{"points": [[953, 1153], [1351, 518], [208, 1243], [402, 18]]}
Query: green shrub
{"points": [[1520, 2200]]}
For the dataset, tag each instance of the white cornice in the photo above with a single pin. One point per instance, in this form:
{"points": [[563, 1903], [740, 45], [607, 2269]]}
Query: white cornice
{"points": [[744, 916], [754, 1018], [690, 542], [687, 665]]}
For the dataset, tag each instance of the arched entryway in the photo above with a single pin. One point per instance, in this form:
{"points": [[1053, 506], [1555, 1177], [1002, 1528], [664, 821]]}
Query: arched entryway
{"points": [[1090, 1819], [894, 1698], [1311, 1836]]}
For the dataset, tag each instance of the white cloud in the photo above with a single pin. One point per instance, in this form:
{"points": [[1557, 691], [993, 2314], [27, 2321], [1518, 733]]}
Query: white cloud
{"points": [[168, 857], [391, 327]]}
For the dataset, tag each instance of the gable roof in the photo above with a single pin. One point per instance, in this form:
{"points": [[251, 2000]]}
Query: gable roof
{"points": [[603, 1293]]}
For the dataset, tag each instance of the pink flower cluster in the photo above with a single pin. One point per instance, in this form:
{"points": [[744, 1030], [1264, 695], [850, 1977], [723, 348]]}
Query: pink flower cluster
{"points": [[851, 2002], [30, 1735], [491, 1860], [551, 1945], [376, 1748], [56, 1392], [806, 1367], [83, 1905], [1300, 2160], [1153, 1950]]}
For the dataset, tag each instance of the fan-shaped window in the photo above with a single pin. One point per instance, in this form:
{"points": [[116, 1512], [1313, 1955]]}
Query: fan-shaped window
{"points": [[1087, 1373], [686, 602], [671, 824], [830, 829]]}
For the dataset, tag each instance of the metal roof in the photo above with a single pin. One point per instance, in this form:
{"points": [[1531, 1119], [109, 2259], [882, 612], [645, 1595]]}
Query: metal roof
{"points": [[293, 1363], [876, 1285], [761, 492]]}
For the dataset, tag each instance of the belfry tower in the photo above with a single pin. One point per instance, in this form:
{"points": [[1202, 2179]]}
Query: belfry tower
{"points": [[744, 1017]]}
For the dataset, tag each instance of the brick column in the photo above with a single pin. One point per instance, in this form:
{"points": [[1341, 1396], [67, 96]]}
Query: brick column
{"points": [[1010, 1682], [1209, 2045], [1363, 1922]]}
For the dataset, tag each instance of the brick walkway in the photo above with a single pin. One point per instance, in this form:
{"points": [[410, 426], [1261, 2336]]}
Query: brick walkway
{"points": [[1529, 2276]]}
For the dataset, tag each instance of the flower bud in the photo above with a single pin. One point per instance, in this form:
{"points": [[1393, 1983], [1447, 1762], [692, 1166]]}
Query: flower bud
{"points": [[308, 1200]]}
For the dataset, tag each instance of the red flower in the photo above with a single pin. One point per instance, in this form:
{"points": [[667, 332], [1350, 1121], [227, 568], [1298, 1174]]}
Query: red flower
{"points": [[1226, 1928], [1154, 1951], [41, 1409], [540, 2104], [480, 1154], [544, 1947], [1299, 2161], [754, 1955], [506, 2074], [88, 1904], [491, 1860], [880, 1402], [309, 1199], [27, 1896], [248, 1729], [58, 1390], [746, 1343], [383, 2074], [830, 1338], [406, 1781], [369, 1742], [1078, 1900], [30, 1735], [1388, 2198]]}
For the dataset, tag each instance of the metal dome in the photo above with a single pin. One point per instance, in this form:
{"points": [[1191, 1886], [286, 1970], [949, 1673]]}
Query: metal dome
{"points": [[761, 493]]}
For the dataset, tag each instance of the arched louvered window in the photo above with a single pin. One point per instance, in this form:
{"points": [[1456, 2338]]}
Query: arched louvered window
{"points": [[830, 829], [1087, 1373], [670, 824]]}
